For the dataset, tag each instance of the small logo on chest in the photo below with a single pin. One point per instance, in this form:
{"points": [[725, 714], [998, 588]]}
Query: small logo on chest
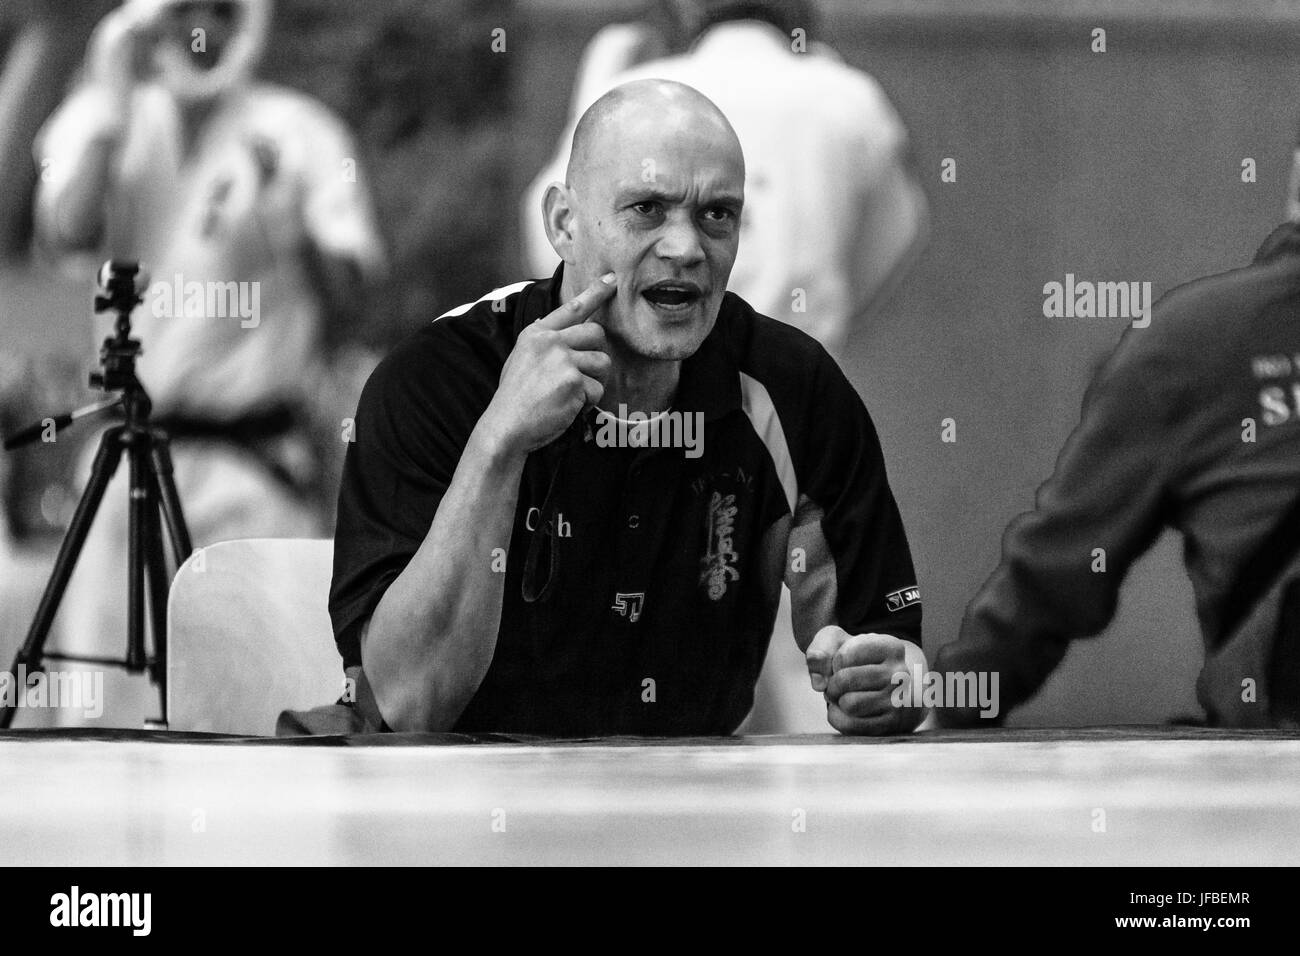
{"points": [[629, 605], [719, 561]]}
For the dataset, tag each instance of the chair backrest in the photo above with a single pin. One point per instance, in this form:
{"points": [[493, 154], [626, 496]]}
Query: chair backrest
{"points": [[248, 633]]}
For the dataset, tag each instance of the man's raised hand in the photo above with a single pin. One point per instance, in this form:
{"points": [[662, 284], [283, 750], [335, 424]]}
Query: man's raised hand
{"points": [[558, 367]]}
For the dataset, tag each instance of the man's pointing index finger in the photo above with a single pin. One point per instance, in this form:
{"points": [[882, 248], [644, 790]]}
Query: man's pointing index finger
{"points": [[580, 308]]}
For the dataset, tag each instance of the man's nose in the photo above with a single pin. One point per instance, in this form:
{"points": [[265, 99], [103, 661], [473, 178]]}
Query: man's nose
{"points": [[680, 241]]}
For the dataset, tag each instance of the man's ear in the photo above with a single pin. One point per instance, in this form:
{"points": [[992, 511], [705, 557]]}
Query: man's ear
{"points": [[558, 217]]}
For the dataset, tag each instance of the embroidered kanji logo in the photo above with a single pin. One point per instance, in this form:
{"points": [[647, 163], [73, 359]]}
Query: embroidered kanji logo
{"points": [[719, 561]]}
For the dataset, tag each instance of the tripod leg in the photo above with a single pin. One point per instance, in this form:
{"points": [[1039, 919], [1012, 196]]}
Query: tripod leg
{"points": [[137, 523], [170, 499], [159, 576], [106, 461]]}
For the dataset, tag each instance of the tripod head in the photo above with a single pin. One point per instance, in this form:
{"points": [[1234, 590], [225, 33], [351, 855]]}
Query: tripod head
{"points": [[122, 285]]}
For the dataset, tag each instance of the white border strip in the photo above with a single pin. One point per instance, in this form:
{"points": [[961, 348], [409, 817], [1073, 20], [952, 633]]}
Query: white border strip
{"points": [[492, 296], [762, 414]]}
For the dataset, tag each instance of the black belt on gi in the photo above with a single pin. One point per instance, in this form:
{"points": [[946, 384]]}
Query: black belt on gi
{"points": [[253, 432]]}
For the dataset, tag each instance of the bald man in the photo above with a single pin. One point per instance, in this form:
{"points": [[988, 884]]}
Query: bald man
{"points": [[570, 506]]}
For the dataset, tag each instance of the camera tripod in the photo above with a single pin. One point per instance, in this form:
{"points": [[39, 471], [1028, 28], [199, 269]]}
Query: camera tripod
{"points": [[153, 502]]}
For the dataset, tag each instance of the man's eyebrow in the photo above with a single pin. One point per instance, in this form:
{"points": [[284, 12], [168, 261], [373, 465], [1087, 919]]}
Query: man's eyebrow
{"points": [[726, 199], [644, 191]]}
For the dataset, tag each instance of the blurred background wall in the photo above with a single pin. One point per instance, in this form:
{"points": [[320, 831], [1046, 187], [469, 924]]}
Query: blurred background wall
{"points": [[1122, 165]]}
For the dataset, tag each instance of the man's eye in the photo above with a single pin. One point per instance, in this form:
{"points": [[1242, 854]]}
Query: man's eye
{"points": [[647, 208], [719, 214]]}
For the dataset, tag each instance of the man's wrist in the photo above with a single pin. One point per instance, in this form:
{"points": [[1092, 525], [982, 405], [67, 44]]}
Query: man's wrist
{"points": [[492, 449]]}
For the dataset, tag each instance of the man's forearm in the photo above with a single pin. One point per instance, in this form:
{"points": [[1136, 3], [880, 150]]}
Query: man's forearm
{"points": [[431, 639]]}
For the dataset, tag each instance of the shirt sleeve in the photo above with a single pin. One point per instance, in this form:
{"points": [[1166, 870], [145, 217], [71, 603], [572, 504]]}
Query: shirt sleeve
{"points": [[1064, 562], [853, 567], [412, 423]]}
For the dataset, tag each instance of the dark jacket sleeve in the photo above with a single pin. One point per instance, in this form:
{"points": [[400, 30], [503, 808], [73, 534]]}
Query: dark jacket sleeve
{"points": [[1064, 562]]}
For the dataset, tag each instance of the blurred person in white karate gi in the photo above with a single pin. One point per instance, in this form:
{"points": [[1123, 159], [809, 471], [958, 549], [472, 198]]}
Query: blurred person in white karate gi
{"points": [[245, 202]]}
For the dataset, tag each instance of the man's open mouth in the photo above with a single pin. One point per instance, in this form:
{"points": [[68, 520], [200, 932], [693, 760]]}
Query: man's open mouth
{"points": [[673, 294]]}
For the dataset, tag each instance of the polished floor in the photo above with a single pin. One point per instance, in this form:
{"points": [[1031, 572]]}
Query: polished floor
{"points": [[1010, 797]]}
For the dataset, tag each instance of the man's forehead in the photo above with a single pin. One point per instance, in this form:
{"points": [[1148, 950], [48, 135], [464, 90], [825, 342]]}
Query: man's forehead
{"points": [[681, 165], [714, 182]]}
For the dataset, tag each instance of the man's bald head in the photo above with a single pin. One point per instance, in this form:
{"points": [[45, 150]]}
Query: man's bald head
{"points": [[654, 193], [629, 112]]}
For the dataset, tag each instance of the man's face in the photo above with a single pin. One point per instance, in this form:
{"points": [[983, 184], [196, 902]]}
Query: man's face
{"points": [[219, 20], [660, 209]]}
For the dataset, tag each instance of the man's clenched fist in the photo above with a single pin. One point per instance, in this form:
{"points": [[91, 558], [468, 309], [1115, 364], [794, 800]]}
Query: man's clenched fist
{"points": [[859, 676]]}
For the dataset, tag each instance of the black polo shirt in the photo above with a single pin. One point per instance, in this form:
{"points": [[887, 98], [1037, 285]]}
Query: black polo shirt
{"points": [[646, 605]]}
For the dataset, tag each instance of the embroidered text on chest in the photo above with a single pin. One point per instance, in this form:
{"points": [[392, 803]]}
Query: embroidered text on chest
{"points": [[719, 554]]}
